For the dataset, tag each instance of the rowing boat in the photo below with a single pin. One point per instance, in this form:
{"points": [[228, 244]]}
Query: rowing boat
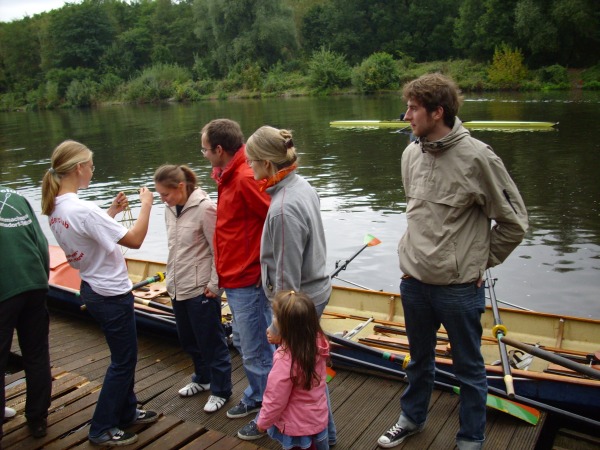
{"points": [[513, 125], [376, 319]]}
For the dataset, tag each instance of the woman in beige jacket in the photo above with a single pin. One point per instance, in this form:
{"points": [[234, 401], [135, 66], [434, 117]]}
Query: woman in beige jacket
{"points": [[192, 282]]}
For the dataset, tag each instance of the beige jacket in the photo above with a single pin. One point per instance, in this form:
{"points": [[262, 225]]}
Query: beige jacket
{"points": [[191, 267], [456, 188]]}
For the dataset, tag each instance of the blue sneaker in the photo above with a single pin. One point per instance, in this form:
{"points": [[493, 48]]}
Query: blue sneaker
{"points": [[243, 410], [250, 432]]}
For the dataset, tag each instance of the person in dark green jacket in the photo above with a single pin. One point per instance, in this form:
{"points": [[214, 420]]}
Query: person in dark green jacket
{"points": [[25, 266]]}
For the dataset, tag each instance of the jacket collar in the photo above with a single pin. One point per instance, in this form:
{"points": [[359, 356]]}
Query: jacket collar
{"points": [[457, 133], [223, 174]]}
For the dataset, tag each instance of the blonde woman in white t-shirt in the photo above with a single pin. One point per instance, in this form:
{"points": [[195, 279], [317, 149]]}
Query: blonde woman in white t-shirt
{"points": [[90, 237]]}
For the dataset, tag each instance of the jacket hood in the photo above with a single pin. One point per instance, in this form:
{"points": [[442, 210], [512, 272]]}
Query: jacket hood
{"points": [[457, 133]]}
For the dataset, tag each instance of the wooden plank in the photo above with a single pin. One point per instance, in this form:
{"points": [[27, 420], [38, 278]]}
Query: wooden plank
{"points": [[179, 436]]}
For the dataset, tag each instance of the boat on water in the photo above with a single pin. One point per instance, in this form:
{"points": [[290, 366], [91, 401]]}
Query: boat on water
{"points": [[500, 125], [358, 319]]}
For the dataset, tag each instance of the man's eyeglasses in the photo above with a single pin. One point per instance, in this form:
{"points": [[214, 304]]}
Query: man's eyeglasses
{"points": [[205, 150]]}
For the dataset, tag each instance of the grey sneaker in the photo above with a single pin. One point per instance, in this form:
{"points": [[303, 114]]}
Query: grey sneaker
{"points": [[395, 436], [243, 410], [250, 432]]}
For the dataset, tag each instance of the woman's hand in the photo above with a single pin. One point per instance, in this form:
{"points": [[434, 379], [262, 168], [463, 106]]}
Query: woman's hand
{"points": [[119, 204]]}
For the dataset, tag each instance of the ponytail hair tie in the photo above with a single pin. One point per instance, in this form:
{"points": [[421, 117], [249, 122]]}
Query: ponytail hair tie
{"points": [[51, 170], [289, 143]]}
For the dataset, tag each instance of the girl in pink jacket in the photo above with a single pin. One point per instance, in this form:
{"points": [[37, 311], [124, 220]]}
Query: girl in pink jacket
{"points": [[294, 409]]}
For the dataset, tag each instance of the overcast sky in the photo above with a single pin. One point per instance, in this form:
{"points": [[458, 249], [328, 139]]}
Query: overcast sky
{"points": [[17, 9]]}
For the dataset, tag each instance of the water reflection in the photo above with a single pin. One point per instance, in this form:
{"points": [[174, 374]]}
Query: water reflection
{"points": [[357, 173]]}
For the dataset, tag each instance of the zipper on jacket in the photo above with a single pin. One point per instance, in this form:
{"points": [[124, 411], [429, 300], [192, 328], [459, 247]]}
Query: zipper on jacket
{"points": [[505, 192]]}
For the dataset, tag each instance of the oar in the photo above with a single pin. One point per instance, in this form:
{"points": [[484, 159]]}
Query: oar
{"points": [[523, 412], [552, 357], [499, 331], [160, 276], [369, 241], [404, 361]]}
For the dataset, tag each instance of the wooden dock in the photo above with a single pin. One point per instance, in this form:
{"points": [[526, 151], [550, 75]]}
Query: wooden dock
{"points": [[364, 405]]}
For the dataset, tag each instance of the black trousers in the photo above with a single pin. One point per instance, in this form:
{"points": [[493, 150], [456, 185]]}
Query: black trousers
{"points": [[28, 314]]}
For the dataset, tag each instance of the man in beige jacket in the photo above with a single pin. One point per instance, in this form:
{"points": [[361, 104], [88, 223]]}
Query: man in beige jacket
{"points": [[464, 215]]}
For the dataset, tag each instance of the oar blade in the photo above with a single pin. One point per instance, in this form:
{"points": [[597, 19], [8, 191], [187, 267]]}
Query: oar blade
{"points": [[371, 240], [330, 374], [518, 410]]}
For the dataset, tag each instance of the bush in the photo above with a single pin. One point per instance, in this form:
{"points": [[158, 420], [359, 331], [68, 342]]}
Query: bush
{"points": [[187, 92], [81, 93], [328, 70], [244, 75], [156, 83], [555, 74], [507, 70], [64, 77], [379, 71], [109, 85]]}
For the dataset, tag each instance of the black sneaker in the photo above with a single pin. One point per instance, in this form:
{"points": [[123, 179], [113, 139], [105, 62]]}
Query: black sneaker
{"points": [[38, 428], [395, 436], [146, 417], [250, 432], [114, 440], [243, 410]]}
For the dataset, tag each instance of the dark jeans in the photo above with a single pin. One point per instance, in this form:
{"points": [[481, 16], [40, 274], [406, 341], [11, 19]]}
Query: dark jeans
{"points": [[117, 402], [202, 336], [459, 308], [28, 314]]}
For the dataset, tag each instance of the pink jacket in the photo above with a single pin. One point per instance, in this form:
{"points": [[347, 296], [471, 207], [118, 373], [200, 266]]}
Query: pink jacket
{"points": [[292, 409]]}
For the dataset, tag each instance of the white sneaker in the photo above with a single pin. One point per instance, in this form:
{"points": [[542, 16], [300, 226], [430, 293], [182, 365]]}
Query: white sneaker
{"points": [[193, 389], [214, 403], [9, 413]]}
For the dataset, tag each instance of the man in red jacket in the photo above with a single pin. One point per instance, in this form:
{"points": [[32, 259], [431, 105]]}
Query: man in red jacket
{"points": [[241, 212]]}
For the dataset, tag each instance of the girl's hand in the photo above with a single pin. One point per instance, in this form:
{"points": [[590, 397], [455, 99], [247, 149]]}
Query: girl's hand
{"points": [[260, 430], [146, 196], [273, 338], [119, 204]]}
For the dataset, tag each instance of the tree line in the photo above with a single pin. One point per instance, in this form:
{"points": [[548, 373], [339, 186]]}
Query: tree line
{"points": [[190, 48]]}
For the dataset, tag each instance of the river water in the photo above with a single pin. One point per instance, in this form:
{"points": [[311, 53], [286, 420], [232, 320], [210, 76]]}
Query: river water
{"points": [[357, 174]]}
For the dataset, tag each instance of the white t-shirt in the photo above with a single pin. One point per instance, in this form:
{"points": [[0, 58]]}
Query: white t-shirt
{"points": [[89, 237]]}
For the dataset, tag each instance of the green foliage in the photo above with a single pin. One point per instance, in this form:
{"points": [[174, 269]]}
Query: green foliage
{"points": [[156, 83], [378, 72], [556, 75], [328, 70], [81, 93], [507, 70], [109, 85], [591, 78], [64, 77], [187, 92], [78, 35]]}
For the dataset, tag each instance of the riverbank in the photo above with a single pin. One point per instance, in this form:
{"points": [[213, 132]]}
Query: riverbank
{"points": [[379, 74]]}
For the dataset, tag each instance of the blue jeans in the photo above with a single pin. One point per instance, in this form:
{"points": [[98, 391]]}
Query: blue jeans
{"points": [[251, 311], [202, 336], [459, 308], [117, 402], [331, 429]]}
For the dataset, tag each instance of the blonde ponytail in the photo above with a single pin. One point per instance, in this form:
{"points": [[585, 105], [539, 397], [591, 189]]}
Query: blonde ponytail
{"points": [[65, 158]]}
